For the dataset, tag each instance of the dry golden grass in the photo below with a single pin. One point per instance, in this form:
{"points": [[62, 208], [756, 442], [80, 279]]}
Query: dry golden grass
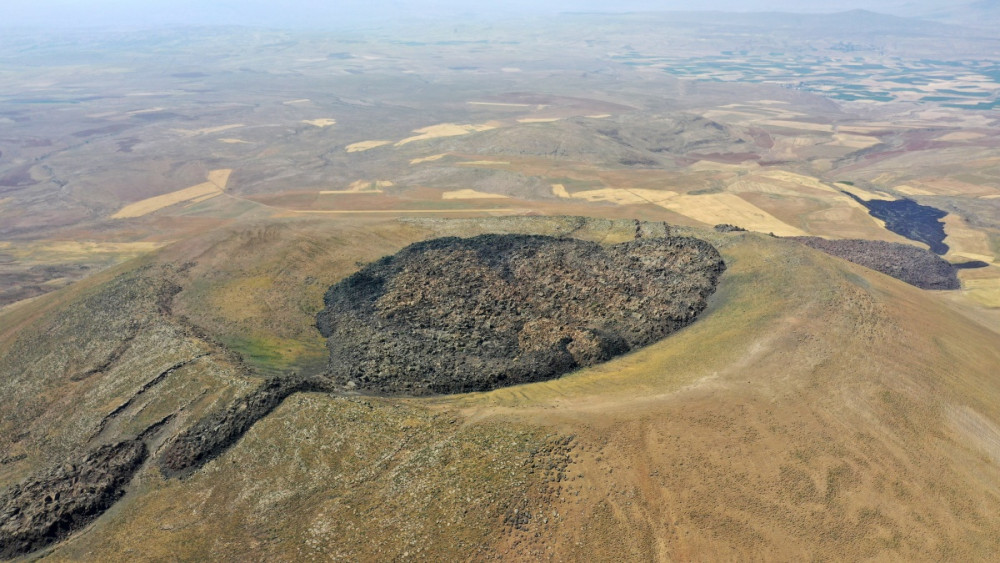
{"points": [[710, 166], [910, 190], [713, 209], [217, 181], [965, 242], [220, 177], [205, 197], [982, 287], [961, 136], [207, 130], [866, 194], [710, 209], [457, 210], [229, 141], [816, 411], [953, 187], [559, 190], [854, 141], [320, 122], [362, 187], [446, 130], [366, 145], [471, 194], [431, 158], [798, 179], [149, 205], [55, 251]]}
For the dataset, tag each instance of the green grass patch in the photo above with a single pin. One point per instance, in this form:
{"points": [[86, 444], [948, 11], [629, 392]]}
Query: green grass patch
{"points": [[271, 355]]}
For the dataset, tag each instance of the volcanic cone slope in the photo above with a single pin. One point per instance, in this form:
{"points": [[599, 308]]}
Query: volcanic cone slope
{"points": [[453, 315]]}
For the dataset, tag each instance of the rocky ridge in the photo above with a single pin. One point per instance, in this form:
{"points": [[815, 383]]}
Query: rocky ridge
{"points": [[52, 504], [910, 264]]}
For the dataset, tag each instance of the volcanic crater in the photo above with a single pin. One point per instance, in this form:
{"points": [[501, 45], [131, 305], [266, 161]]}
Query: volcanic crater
{"points": [[454, 315]]}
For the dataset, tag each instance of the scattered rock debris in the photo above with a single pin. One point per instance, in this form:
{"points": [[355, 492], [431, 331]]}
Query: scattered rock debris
{"points": [[456, 315]]}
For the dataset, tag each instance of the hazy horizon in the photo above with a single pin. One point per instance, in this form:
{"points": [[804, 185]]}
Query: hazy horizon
{"points": [[64, 14]]}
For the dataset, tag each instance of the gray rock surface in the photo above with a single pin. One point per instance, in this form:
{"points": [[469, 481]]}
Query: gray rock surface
{"points": [[55, 502], [910, 264], [454, 315]]}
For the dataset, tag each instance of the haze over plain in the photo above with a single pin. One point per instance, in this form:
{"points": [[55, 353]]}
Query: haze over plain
{"points": [[350, 13], [217, 243]]}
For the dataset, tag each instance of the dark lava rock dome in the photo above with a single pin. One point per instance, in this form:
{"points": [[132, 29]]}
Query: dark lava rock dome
{"points": [[453, 315]]}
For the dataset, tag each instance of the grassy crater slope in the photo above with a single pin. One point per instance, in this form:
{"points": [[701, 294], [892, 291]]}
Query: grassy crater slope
{"points": [[816, 410]]}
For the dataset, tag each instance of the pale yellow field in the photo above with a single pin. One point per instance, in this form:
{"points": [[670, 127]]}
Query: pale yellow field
{"points": [[866, 194], [428, 158], [471, 194], [713, 209], [789, 147], [220, 177], [362, 187], [598, 116], [985, 291], [538, 119], [854, 141], [733, 116], [910, 190], [965, 242], [446, 130], [147, 206], [206, 130], [484, 162], [321, 122], [709, 166], [751, 184], [292, 102], [70, 250], [961, 136], [217, 180], [503, 211], [366, 145], [801, 179], [235, 141], [710, 209], [205, 197], [631, 196], [951, 187], [559, 190]]}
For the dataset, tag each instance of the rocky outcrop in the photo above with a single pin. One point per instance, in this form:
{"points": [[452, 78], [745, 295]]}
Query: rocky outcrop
{"points": [[910, 264], [727, 228], [908, 218], [212, 435], [53, 503], [454, 315]]}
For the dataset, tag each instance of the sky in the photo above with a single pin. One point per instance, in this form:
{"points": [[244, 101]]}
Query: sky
{"points": [[347, 13]]}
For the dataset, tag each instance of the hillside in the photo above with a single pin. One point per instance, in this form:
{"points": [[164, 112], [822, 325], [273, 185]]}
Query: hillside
{"points": [[815, 410]]}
